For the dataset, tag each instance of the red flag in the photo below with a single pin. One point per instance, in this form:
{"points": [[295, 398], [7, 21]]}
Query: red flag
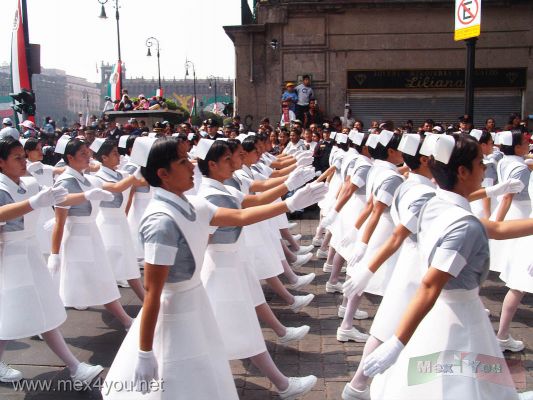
{"points": [[20, 76]]}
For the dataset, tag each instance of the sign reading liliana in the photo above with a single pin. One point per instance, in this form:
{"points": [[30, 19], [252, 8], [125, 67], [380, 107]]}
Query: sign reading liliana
{"points": [[467, 19]]}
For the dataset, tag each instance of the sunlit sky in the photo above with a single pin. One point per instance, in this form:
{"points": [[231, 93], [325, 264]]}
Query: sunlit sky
{"points": [[74, 39]]}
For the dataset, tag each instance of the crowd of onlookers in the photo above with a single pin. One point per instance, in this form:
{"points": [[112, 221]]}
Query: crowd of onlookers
{"points": [[140, 103]]}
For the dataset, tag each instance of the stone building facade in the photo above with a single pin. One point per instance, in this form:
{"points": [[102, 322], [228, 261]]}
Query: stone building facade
{"points": [[388, 59]]}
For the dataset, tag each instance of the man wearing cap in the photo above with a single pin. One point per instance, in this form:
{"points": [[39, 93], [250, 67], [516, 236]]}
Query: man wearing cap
{"points": [[323, 150], [135, 125], [113, 131], [212, 129], [305, 94], [8, 130], [289, 96], [108, 105]]}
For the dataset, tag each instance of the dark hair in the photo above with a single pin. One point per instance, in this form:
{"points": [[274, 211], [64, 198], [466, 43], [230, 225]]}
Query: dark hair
{"points": [[233, 145], [6, 145], [215, 153], [306, 77], [360, 122], [31, 144], [512, 117], [129, 144], [382, 152], [413, 162], [517, 140], [248, 144], [72, 148], [359, 147], [106, 148], [464, 153], [485, 137], [163, 152]]}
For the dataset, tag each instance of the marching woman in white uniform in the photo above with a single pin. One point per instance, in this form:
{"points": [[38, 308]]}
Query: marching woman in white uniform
{"points": [[514, 145], [111, 220], [86, 276], [29, 302], [44, 175], [176, 336], [445, 324]]}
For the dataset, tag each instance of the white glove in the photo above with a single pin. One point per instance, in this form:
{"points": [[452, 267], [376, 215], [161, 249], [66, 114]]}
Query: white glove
{"points": [[145, 371], [48, 197], [359, 252], [350, 237], [304, 161], [299, 177], [302, 154], [310, 194], [98, 194], [54, 264], [530, 269], [358, 281], [330, 217], [509, 186], [383, 357]]}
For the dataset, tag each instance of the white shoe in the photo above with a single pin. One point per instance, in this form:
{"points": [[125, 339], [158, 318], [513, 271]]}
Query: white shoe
{"points": [[81, 308], [302, 281], [511, 344], [321, 254], [359, 314], [300, 302], [317, 242], [297, 237], [298, 387], [86, 373], [487, 311], [304, 250], [292, 225], [293, 334], [349, 393], [123, 284], [353, 335], [8, 374], [329, 267], [334, 287], [301, 259]]}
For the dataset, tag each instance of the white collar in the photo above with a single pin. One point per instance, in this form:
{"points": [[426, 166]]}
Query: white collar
{"points": [[74, 173], [515, 158], [214, 184], [385, 164], [174, 198], [11, 185], [413, 176], [110, 171], [454, 198]]}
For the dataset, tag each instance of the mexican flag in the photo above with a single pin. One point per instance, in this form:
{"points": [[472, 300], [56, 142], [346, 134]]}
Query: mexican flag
{"points": [[20, 77], [114, 86]]}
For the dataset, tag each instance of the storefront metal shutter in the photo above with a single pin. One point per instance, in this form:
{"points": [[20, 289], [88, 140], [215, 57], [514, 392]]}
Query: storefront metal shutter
{"points": [[442, 107]]}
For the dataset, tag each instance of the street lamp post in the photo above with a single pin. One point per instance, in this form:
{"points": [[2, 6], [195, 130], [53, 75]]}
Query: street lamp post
{"points": [[187, 65], [117, 17], [214, 78], [149, 43]]}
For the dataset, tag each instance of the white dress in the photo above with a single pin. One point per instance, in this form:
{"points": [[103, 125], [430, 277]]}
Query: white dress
{"points": [[87, 278], [408, 201], [29, 302], [187, 342], [113, 226], [456, 333], [44, 174], [383, 180], [233, 289]]}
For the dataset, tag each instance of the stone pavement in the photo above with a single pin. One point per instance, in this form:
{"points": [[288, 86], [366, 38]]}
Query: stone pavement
{"points": [[94, 336]]}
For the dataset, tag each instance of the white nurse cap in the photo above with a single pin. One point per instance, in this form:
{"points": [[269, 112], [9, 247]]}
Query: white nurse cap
{"points": [[122, 141], [342, 138], [358, 138], [241, 137], [372, 140], [141, 150], [506, 138], [444, 148], [190, 136], [62, 144], [332, 135], [203, 148], [352, 134], [95, 146], [23, 141], [429, 144], [409, 143], [385, 137], [476, 133]]}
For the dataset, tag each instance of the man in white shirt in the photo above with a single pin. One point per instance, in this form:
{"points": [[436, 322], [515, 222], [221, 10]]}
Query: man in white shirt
{"points": [[8, 130], [305, 93]]}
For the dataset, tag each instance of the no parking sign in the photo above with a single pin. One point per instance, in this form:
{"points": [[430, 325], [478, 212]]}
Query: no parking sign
{"points": [[467, 19]]}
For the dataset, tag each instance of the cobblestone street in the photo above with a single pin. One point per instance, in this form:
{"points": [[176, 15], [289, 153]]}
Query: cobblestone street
{"points": [[95, 337]]}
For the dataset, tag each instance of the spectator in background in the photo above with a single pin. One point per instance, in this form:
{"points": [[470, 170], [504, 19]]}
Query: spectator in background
{"points": [[108, 105], [347, 120], [143, 127], [237, 122], [8, 130], [49, 127], [125, 104], [289, 96], [113, 131], [274, 143], [427, 126], [144, 104], [287, 115], [28, 129], [283, 139], [152, 102], [336, 124], [408, 126], [514, 123], [295, 142], [313, 115], [323, 150], [305, 94], [135, 127], [359, 125], [308, 140], [490, 125]]}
